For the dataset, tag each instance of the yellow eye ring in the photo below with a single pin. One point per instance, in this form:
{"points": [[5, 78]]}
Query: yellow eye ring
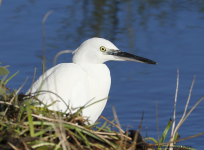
{"points": [[102, 48]]}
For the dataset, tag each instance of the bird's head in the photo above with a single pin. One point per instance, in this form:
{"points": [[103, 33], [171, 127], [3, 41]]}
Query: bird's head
{"points": [[99, 50]]}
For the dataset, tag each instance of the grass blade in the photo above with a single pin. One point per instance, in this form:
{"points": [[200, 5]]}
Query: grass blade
{"points": [[83, 137], [165, 132], [150, 138], [11, 77], [30, 119]]}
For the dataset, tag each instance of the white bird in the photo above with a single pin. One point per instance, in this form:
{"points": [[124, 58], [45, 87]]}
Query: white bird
{"points": [[84, 81]]}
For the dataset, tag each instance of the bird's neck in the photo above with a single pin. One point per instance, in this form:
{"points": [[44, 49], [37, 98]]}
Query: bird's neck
{"points": [[94, 69]]}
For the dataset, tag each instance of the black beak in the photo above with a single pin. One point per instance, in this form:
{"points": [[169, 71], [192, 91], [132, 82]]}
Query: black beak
{"points": [[130, 57]]}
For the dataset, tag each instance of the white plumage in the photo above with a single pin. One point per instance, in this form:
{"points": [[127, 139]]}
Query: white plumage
{"points": [[87, 78]]}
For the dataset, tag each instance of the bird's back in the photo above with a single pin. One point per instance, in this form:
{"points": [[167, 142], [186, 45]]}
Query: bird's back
{"points": [[68, 84]]}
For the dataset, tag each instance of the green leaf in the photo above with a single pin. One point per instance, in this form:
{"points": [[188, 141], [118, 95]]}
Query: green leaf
{"points": [[11, 77], [150, 138], [84, 138], [175, 137], [103, 126], [4, 78], [2, 90], [40, 133], [3, 71], [165, 132]]}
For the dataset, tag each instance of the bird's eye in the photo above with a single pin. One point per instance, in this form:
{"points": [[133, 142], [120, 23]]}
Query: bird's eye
{"points": [[102, 48]]}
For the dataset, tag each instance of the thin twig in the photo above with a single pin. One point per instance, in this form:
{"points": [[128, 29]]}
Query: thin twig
{"points": [[61, 143], [126, 134], [190, 137], [15, 95], [15, 148], [16, 124], [140, 127], [183, 119], [33, 79], [9, 104], [45, 92], [117, 121], [64, 141], [26, 147], [43, 28], [189, 96], [107, 141], [188, 114], [157, 120], [113, 124], [174, 115], [75, 139], [60, 53], [94, 145], [106, 133]]}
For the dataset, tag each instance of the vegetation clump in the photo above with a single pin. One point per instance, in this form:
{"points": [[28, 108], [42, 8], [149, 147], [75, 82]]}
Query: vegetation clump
{"points": [[25, 126]]}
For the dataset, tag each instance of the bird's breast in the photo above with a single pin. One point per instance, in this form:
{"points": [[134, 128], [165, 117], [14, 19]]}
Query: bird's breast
{"points": [[99, 80]]}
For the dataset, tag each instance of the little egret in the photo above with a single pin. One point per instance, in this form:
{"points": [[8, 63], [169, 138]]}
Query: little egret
{"points": [[84, 81]]}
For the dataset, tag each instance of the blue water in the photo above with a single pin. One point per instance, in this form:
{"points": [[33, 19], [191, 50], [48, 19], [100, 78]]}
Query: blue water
{"points": [[168, 32]]}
